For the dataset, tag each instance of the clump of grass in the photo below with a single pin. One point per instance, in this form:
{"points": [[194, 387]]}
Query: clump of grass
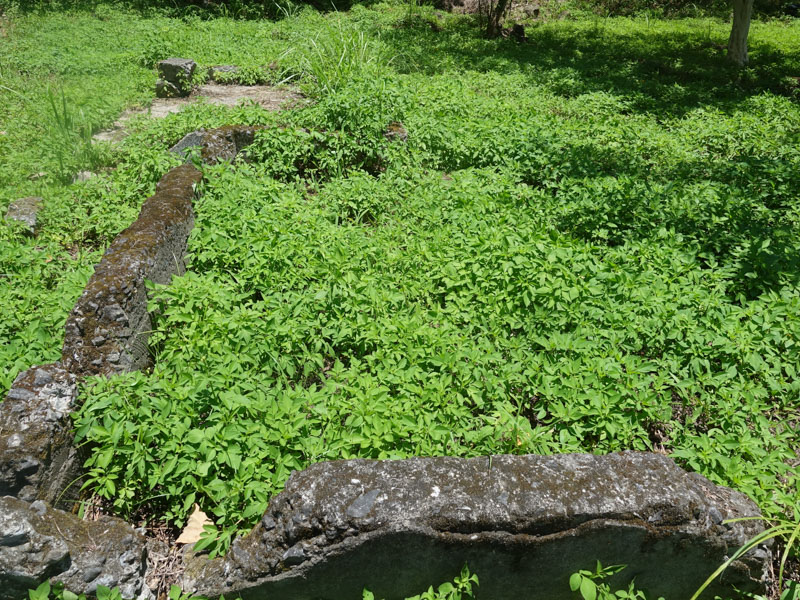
{"points": [[71, 137], [338, 54]]}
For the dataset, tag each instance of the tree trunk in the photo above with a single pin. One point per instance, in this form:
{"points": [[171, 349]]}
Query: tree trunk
{"points": [[737, 43], [496, 12]]}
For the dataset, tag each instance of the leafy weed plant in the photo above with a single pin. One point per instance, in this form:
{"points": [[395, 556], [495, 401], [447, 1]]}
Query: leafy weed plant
{"points": [[586, 243]]}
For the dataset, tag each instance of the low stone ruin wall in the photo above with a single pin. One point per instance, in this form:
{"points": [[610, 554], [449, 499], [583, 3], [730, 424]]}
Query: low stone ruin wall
{"points": [[522, 523], [106, 334]]}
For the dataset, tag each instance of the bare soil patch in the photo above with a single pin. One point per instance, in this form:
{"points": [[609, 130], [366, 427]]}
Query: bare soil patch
{"points": [[268, 97]]}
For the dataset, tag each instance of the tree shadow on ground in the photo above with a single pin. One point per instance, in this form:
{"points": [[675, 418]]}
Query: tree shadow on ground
{"points": [[668, 72]]}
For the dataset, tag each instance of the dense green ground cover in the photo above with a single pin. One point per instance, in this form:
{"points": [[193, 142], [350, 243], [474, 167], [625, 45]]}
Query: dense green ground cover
{"points": [[588, 243]]}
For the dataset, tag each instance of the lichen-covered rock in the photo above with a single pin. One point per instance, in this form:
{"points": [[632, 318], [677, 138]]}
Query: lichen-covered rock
{"points": [[177, 72], [225, 143], [25, 210], [37, 457], [522, 523], [107, 330], [193, 139], [38, 542]]}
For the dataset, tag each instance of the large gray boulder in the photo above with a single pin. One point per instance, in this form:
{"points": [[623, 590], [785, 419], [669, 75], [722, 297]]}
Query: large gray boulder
{"points": [[107, 330], [522, 523], [38, 543], [25, 210], [37, 457]]}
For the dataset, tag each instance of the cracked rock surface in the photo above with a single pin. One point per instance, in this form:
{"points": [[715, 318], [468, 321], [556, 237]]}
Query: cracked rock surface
{"points": [[37, 542], [37, 458], [522, 523]]}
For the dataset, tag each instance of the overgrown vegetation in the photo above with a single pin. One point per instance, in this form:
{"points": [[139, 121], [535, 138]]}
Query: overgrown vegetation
{"points": [[588, 242]]}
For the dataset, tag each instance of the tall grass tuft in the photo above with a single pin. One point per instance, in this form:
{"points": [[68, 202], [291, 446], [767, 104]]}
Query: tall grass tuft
{"points": [[70, 136], [337, 55]]}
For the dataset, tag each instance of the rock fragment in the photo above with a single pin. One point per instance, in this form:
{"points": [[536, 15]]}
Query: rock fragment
{"points": [[37, 457], [175, 77], [25, 210], [191, 140], [38, 542]]}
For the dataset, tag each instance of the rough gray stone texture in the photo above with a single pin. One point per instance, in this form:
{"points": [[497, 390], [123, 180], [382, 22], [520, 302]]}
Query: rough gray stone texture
{"points": [[37, 457], [522, 523], [38, 542], [165, 89], [217, 145], [107, 330], [25, 210], [225, 143], [191, 140], [178, 73]]}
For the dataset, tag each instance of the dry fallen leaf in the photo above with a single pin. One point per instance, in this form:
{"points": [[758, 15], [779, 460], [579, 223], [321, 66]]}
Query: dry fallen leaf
{"points": [[191, 533]]}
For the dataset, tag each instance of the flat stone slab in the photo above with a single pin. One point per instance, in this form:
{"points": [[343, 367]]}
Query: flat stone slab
{"points": [[269, 98], [25, 210], [38, 543], [37, 458], [522, 523]]}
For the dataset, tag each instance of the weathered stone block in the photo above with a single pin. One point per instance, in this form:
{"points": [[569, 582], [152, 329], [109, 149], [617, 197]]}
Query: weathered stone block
{"points": [[107, 330], [37, 457], [522, 523], [25, 210], [191, 140], [178, 72], [38, 542], [225, 143]]}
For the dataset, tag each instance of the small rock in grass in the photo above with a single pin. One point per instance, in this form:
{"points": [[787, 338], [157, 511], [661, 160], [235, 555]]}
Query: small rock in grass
{"points": [[396, 131], [175, 75], [25, 211], [221, 71], [187, 142], [164, 89], [82, 176]]}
